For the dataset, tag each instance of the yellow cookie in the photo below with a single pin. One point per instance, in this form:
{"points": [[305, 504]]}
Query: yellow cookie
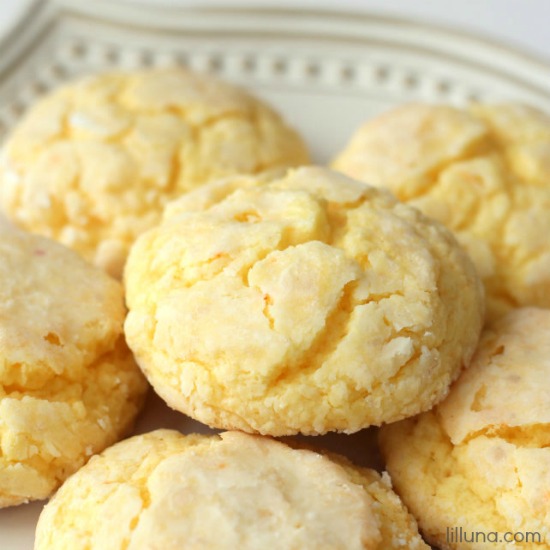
{"points": [[69, 386], [167, 491], [484, 172], [311, 303], [93, 164], [480, 462]]}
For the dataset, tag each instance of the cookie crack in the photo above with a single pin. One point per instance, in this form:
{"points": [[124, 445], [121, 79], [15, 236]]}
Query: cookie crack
{"points": [[531, 436], [327, 339], [338, 216], [453, 470], [433, 175]]}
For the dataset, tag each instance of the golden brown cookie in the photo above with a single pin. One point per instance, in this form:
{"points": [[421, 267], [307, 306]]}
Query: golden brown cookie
{"points": [[69, 386], [93, 164], [484, 172], [480, 462], [310, 303], [167, 491]]}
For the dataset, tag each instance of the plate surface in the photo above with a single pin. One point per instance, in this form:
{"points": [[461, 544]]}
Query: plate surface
{"points": [[325, 72]]}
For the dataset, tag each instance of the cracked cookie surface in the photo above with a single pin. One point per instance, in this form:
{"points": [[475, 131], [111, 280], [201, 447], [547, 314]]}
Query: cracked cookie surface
{"points": [[233, 490], [481, 459], [69, 386], [484, 172], [93, 164], [309, 303]]}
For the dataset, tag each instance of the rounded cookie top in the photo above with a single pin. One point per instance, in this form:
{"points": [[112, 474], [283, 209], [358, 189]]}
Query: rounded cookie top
{"points": [[481, 459], [68, 384], [310, 303], [92, 164], [484, 172], [165, 490]]}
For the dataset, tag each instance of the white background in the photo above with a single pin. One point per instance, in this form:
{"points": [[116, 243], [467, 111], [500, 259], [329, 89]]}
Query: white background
{"points": [[521, 23]]}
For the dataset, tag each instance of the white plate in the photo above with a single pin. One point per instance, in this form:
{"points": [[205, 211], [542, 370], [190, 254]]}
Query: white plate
{"points": [[325, 72]]}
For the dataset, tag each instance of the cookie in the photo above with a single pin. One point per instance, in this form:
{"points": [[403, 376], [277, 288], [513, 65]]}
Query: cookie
{"points": [[484, 172], [233, 490], [309, 303], [69, 386], [93, 164], [480, 462]]}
